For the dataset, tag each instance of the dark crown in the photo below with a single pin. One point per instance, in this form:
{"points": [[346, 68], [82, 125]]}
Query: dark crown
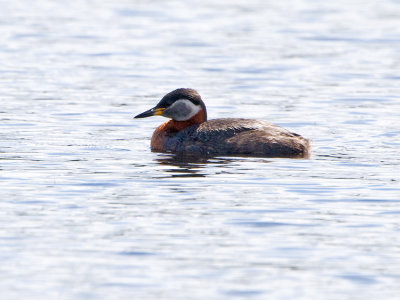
{"points": [[182, 93]]}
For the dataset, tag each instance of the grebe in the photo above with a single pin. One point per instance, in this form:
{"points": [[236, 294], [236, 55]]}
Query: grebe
{"points": [[189, 132]]}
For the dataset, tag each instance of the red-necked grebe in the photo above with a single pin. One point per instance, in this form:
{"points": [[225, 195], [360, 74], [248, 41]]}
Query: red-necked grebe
{"points": [[189, 132]]}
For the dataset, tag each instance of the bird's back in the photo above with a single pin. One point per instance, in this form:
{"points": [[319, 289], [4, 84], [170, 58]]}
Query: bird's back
{"points": [[237, 137]]}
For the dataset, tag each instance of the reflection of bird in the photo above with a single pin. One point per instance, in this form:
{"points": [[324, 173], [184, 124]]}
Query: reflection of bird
{"points": [[189, 132]]}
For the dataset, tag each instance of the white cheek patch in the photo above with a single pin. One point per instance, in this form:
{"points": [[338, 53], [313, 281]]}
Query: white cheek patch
{"points": [[182, 110]]}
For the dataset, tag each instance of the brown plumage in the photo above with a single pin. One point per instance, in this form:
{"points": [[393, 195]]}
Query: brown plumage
{"points": [[190, 133]]}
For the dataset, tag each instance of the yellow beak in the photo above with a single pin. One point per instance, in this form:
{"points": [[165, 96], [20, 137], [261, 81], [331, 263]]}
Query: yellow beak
{"points": [[151, 112]]}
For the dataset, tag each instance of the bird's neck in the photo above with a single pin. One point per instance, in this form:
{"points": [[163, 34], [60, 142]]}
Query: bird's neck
{"points": [[198, 118], [173, 126]]}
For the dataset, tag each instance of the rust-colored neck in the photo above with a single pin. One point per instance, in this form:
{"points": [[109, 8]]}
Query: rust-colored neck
{"points": [[198, 118], [157, 140]]}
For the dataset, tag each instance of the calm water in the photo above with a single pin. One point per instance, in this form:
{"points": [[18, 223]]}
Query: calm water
{"points": [[89, 212]]}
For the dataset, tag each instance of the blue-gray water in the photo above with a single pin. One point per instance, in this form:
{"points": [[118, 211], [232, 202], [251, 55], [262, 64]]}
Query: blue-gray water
{"points": [[87, 211]]}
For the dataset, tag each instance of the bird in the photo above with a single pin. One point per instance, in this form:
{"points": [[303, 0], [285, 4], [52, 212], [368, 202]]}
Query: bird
{"points": [[188, 132]]}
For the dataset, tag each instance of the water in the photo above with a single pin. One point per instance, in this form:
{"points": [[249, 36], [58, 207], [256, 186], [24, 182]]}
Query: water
{"points": [[89, 212]]}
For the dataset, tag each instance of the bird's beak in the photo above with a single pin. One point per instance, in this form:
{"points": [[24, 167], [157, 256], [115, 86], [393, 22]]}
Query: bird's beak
{"points": [[151, 112]]}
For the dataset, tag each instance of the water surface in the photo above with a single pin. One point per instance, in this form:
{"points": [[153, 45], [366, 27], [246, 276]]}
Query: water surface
{"points": [[89, 212]]}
